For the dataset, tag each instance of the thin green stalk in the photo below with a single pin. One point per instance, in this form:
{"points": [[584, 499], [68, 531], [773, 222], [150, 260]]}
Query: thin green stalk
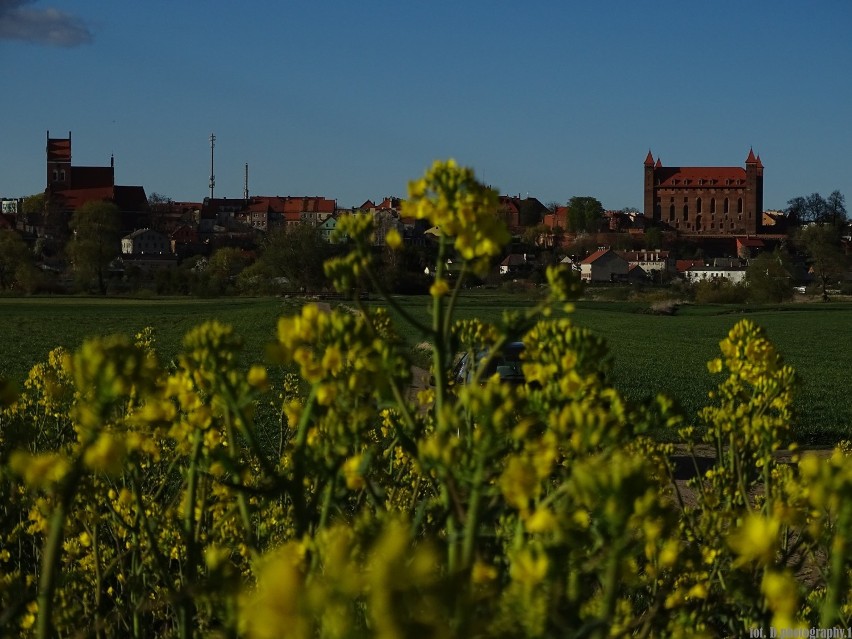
{"points": [[52, 551], [242, 502], [186, 609], [471, 523]]}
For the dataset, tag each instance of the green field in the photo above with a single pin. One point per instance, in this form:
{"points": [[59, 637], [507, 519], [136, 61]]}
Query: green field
{"points": [[652, 353]]}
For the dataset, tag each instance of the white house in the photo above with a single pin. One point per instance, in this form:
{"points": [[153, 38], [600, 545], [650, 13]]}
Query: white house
{"points": [[735, 274], [145, 242]]}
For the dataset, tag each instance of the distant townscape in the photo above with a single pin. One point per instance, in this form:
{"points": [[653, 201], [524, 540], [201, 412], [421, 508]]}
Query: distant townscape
{"points": [[698, 224]]}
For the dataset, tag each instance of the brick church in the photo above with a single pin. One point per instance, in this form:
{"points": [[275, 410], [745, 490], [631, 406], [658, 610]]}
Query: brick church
{"points": [[698, 200], [70, 186]]}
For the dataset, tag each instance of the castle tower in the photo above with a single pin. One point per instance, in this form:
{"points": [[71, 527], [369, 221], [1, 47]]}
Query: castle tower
{"points": [[649, 188], [753, 214]]}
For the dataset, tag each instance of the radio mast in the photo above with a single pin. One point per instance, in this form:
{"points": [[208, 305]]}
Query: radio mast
{"points": [[245, 188], [212, 176]]}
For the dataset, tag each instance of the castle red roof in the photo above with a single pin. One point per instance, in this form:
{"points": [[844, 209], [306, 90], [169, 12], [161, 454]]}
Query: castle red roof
{"points": [[649, 159], [690, 175], [751, 159]]}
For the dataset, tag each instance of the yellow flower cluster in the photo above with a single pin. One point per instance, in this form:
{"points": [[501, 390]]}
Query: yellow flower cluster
{"points": [[452, 200]]}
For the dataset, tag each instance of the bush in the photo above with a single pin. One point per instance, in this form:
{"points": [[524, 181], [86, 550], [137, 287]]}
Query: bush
{"points": [[150, 500], [720, 291]]}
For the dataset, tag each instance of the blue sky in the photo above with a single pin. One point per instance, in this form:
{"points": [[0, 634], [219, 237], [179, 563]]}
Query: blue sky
{"points": [[350, 100]]}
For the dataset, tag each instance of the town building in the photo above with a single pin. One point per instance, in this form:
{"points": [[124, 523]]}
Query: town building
{"points": [[604, 265], [693, 200]]}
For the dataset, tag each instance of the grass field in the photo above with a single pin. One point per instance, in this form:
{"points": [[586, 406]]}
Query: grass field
{"points": [[652, 353]]}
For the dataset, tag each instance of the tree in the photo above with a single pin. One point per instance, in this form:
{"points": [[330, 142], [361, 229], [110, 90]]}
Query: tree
{"points": [[222, 269], [835, 209], [95, 242], [297, 254], [584, 214], [816, 209], [14, 257], [769, 278], [653, 238], [821, 243]]}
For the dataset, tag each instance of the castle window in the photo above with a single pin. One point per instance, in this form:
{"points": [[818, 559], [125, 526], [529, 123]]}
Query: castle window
{"points": [[726, 206], [713, 206], [698, 205], [685, 212], [739, 205], [727, 182], [55, 176], [671, 212], [700, 182], [62, 176]]}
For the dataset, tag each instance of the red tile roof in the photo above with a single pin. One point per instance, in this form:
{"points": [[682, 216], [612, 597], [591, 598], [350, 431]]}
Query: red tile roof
{"points": [[594, 257], [684, 265], [676, 175], [308, 205], [750, 242]]}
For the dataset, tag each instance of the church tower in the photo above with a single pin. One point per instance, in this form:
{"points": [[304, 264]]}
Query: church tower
{"points": [[58, 163]]}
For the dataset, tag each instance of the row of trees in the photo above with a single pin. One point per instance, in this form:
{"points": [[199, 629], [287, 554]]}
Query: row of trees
{"points": [[815, 208]]}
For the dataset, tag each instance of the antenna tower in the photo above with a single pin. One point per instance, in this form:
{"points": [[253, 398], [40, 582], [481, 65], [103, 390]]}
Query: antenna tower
{"points": [[245, 188], [212, 176]]}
